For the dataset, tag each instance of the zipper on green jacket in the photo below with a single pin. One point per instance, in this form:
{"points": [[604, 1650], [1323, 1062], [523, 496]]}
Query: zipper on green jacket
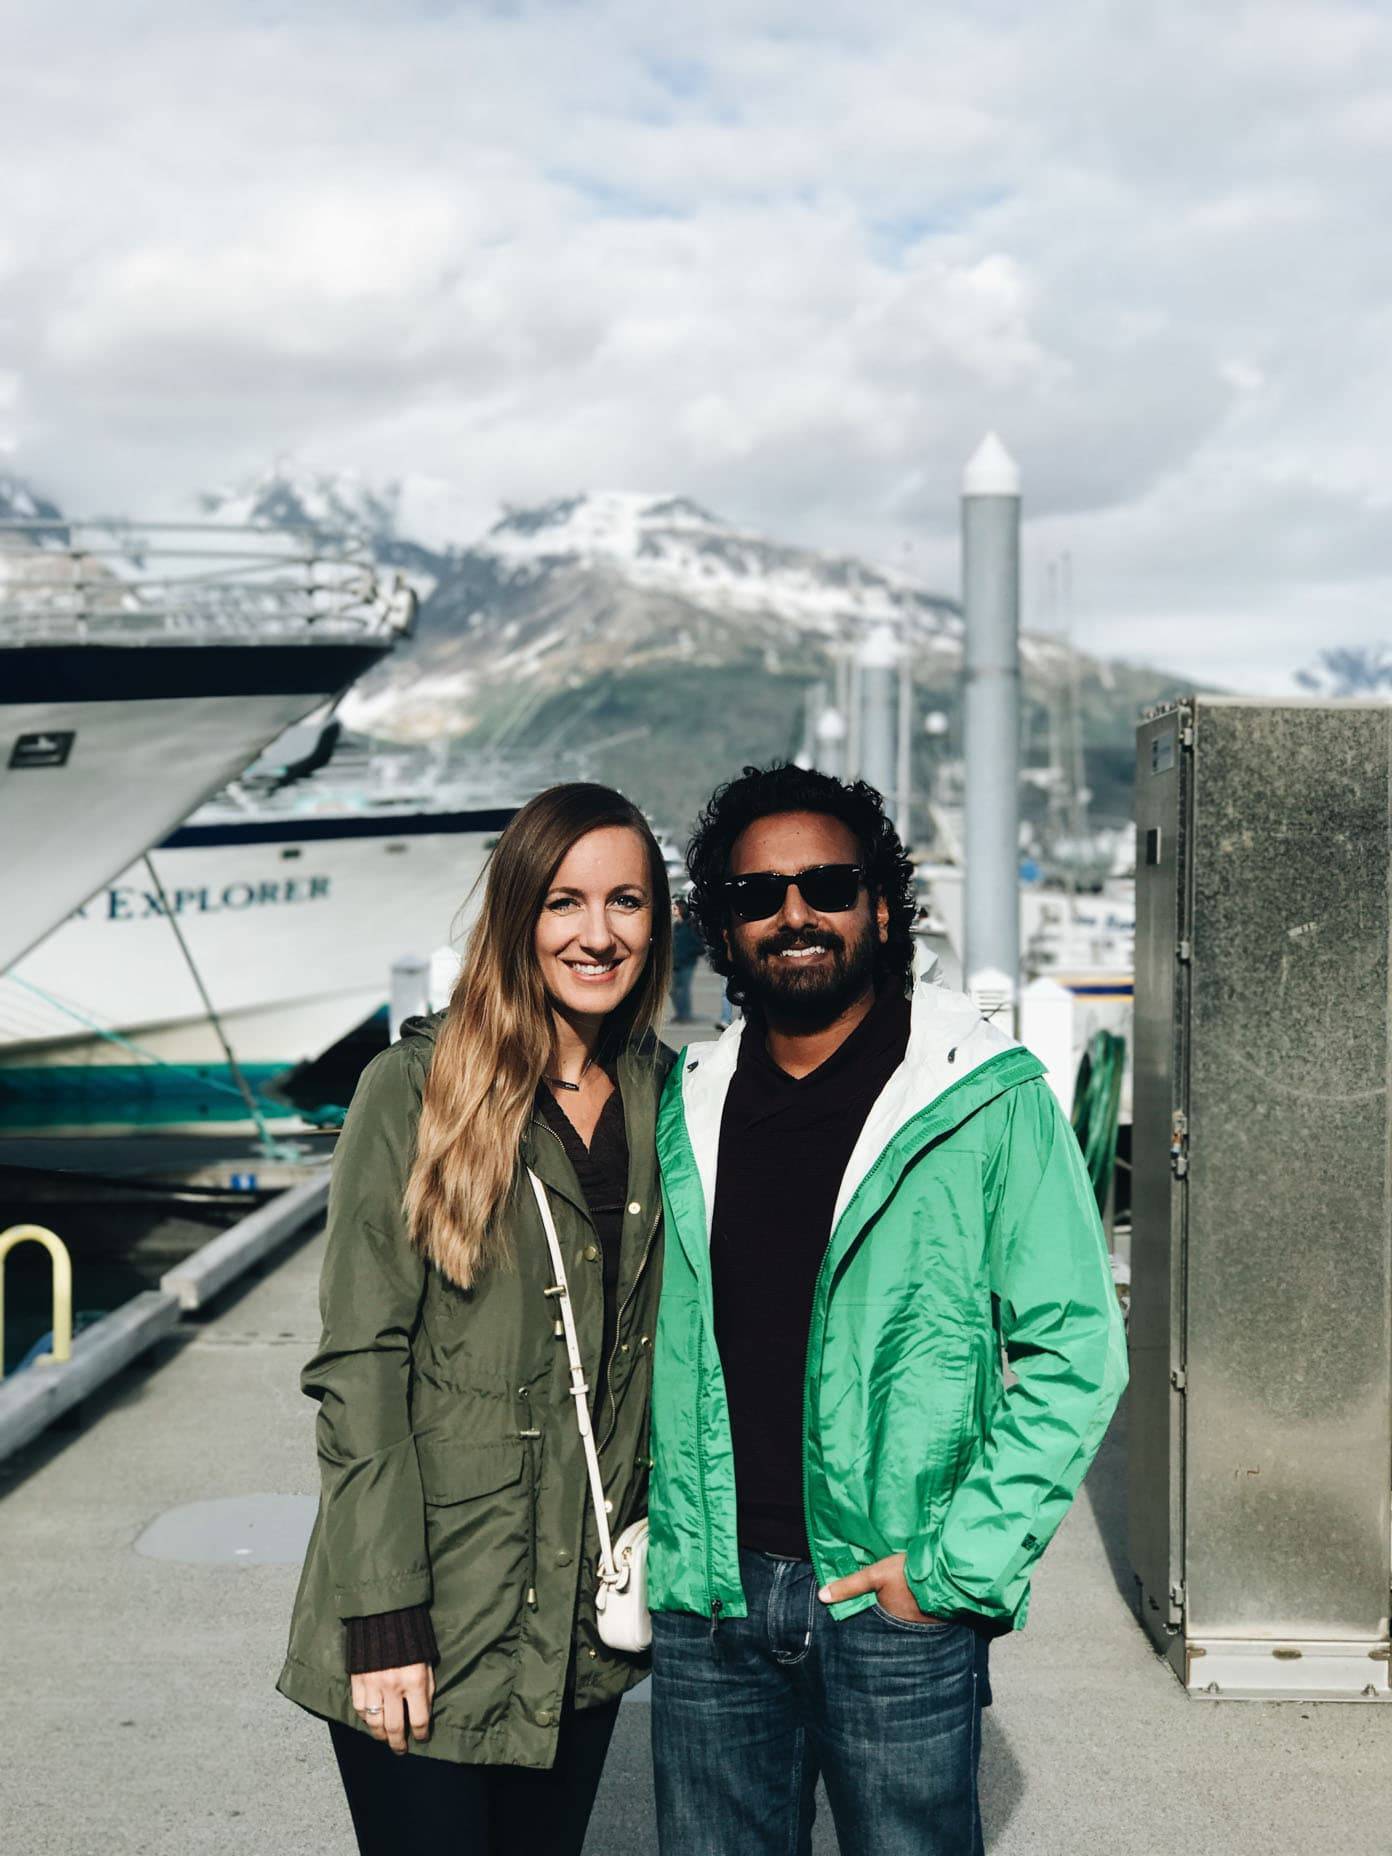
{"points": [[920, 1122]]}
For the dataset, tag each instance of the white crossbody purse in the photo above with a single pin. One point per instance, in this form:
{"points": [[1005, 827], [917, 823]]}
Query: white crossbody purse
{"points": [[621, 1602]]}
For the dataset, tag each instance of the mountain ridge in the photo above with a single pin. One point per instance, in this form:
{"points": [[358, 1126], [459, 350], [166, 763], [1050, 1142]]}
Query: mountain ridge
{"points": [[669, 644]]}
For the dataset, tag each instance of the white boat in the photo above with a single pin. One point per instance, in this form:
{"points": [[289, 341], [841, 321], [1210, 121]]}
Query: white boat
{"points": [[1084, 936], [141, 668], [1084, 942], [293, 901]]}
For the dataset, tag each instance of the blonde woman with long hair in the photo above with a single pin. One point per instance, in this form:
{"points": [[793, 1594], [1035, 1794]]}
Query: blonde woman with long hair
{"points": [[445, 1623]]}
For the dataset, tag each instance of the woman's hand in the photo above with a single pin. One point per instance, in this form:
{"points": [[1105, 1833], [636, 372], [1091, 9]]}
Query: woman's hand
{"points": [[389, 1699]]}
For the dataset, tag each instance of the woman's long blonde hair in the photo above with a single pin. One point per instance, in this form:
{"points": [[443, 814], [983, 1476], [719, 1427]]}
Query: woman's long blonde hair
{"points": [[496, 1040]]}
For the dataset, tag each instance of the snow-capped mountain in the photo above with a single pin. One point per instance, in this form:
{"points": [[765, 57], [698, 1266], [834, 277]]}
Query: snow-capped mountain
{"points": [[670, 545], [647, 620], [665, 642], [588, 586], [665, 544], [1350, 670], [20, 503], [27, 541], [607, 583], [330, 504], [337, 503]]}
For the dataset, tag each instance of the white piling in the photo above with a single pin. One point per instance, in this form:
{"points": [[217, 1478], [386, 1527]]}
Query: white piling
{"points": [[991, 713], [876, 662], [410, 991], [831, 743], [1046, 1028]]}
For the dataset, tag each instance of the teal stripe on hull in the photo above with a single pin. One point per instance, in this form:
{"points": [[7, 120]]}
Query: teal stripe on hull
{"points": [[138, 1095]]}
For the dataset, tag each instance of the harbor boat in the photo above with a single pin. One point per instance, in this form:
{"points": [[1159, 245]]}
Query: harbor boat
{"points": [[1082, 941], [292, 899], [142, 668]]}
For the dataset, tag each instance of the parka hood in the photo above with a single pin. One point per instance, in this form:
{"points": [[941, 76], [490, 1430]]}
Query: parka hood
{"points": [[949, 1041], [950, 1033], [424, 1029]]}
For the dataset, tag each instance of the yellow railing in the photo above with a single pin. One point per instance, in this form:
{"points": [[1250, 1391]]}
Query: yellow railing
{"points": [[62, 1288]]}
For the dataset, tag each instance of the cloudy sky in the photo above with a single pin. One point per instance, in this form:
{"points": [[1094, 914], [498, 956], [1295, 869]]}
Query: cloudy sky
{"points": [[792, 257]]}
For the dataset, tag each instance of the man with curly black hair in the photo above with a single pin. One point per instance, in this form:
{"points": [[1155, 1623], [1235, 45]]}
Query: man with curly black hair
{"points": [[888, 877], [869, 1192]]}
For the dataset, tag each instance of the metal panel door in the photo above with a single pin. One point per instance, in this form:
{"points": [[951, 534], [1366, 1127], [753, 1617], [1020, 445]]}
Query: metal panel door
{"points": [[1288, 1438]]}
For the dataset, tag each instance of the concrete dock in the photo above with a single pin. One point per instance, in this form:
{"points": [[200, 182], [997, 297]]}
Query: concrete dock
{"points": [[145, 1723], [142, 1632]]}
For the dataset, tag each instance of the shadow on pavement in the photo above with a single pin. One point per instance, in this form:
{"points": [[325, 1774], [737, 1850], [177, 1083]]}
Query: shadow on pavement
{"points": [[1105, 1488], [1002, 1779]]}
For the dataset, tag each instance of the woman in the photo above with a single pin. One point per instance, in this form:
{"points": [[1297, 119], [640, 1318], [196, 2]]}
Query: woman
{"points": [[447, 1599]]}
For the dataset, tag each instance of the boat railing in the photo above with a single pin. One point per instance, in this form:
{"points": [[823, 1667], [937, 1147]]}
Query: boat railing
{"points": [[127, 582]]}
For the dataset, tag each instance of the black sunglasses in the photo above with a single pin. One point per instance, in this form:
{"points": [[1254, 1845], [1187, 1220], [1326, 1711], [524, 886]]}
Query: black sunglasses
{"points": [[830, 889]]}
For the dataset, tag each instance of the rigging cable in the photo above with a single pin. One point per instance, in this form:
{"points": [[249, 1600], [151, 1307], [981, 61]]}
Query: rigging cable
{"points": [[270, 1146]]}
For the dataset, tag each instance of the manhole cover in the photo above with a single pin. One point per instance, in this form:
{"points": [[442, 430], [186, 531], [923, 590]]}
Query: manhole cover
{"points": [[237, 1530]]}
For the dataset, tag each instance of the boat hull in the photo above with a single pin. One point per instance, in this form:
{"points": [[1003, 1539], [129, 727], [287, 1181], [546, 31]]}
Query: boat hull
{"points": [[293, 925], [105, 748]]}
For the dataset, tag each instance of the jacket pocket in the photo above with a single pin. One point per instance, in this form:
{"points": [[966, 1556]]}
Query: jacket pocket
{"points": [[458, 1472]]}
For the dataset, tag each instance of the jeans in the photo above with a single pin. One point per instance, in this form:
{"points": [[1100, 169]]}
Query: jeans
{"points": [[681, 993], [748, 1714], [408, 1805]]}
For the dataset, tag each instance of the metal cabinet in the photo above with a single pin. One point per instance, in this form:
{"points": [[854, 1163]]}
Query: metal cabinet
{"points": [[1261, 1402]]}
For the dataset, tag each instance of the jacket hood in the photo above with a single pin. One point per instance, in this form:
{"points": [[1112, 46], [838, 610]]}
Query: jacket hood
{"points": [[950, 1033], [949, 1040], [424, 1029]]}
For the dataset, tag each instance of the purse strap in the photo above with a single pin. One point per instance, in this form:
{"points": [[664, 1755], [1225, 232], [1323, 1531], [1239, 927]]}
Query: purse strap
{"points": [[579, 1391]]}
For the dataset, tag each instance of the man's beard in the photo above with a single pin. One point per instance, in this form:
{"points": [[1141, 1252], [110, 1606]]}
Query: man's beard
{"points": [[809, 996]]}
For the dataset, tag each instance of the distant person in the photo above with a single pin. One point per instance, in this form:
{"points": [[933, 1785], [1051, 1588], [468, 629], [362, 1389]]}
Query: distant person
{"points": [[870, 1191], [447, 1607], [687, 949]]}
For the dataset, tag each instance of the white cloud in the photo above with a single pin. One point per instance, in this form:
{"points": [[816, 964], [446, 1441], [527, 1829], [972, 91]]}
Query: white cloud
{"points": [[791, 259]]}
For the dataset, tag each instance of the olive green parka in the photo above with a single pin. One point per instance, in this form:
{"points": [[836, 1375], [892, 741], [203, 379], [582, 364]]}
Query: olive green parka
{"points": [[452, 1472]]}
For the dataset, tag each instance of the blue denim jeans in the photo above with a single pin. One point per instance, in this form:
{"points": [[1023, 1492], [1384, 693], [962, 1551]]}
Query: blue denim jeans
{"points": [[681, 993], [748, 1714]]}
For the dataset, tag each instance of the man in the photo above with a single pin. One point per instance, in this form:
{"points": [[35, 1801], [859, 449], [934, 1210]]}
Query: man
{"points": [[868, 1197]]}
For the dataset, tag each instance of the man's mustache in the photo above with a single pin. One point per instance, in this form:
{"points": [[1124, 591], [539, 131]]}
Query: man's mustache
{"points": [[778, 943]]}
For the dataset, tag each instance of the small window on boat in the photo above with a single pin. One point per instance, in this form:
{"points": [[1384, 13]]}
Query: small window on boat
{"points": [[395, 850], [291, 851]]}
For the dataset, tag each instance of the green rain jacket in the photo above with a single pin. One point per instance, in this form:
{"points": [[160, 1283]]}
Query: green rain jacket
{"points": [[452, 1472], [965, 1225]]}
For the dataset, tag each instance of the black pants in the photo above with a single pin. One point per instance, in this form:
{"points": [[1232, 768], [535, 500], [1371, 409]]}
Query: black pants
{"points": [[408, 1805]]}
